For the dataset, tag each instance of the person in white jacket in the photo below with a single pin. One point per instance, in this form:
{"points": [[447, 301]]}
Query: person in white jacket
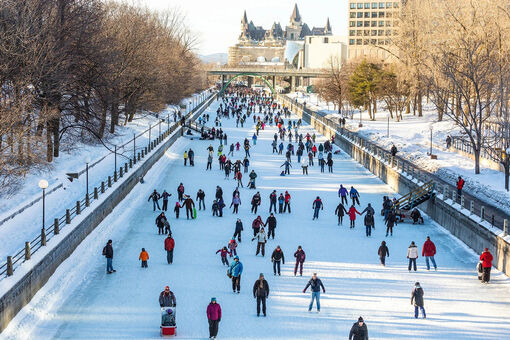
{"points": [[412, 255], [261, 242], [304, 165]]}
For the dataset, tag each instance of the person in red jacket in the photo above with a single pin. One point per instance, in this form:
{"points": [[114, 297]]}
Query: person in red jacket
{"points": [[486, 259], [287, 202], [300, 259], [352, 215], [460, 185], [213, 317], [429, 250], [169, 247], [256, 224]]}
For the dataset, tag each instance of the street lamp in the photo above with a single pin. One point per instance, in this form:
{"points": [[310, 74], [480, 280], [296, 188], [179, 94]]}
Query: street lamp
{"points": [[43, 184], [87, 160], [388, 128], [431, 128]]}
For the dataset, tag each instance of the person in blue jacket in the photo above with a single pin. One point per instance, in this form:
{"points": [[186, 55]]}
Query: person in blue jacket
{"points": [[234, 272], [342, 192], [354, 195], [254, 138]]}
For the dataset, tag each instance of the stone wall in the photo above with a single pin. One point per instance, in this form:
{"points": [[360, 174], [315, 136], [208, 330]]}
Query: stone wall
{"points": [[23, 291]]}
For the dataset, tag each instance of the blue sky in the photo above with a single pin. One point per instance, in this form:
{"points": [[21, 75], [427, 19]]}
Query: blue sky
{"points": [[217, 23]]}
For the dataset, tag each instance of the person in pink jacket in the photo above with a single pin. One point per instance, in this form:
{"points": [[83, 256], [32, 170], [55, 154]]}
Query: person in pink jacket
{"points": [[214, 317], [352, 215]]}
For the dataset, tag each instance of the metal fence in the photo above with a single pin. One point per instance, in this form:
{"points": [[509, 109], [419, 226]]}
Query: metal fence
{"points": [[46, 234], [483, 210]]}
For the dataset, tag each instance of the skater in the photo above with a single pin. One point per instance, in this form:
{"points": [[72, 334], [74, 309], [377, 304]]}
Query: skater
{"points": [[316, 206], [417, 298], [177, 209], [234, 272], [315, 285], [219, 192], [191, 157], [160, 223], [271, 225], [393, 150], [359, 330], [238, 230], [209, 162], [252, 176], [144, 256], [232, 246], [368, 210], [369, 223], [339, 211], [354, 195], [383, 252], [287, 167], [460, 185], [261, 242], [255, 202], [412, 255], [239, 176], [213, 317], [221, 205], [167, 298], [342, 192], [304, 165], [276, 258], [236, 201], [261, 292], [190, 206], [256, 225], [330, 164], [390, 222], [200, 199], [416, 216], [287, 202], [231, 150], [486, 259], [185, 157], [169, 248], [155, 197], [215, 208], [165, 195], [108, 253], [246, 164], [429, 250], [352, 215], [272, 201], [300, 259], [180, 192], [223, 253], [281, 200]]}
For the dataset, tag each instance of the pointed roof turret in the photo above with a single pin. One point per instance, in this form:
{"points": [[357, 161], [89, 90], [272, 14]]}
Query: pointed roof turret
{"points": [[295, 17], [327, 29], [244, 20]]}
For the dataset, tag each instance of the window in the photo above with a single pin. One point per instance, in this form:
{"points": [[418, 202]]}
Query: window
{"points": [[389, 5], [352, 15], [380, 32], [365, 42], [352, 23], [374, 4], [381, 14], [395, 5], [326, 40], [374, 24], [292, 36], [374, 14], [388, 15], [366, 32], [373, 33], [351, 41], [367, 5], [367, 24], [388, 32], [360, 24], [353, 6], [381, 5], [388, 23], [360, 14], [310, 40], [373, 41], [381, 23], [352, 33], [367, 14], [358, 41], [359, 33], [360, 6]]}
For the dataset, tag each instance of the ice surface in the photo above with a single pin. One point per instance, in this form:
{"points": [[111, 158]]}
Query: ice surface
{"points": [[81, 302]]}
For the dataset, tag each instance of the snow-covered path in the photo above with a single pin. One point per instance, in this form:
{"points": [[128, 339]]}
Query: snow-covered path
{"points": [[82, 302]]}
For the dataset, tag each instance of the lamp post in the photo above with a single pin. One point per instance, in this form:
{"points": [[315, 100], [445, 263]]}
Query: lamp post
{"points": [[87, 160], [431, 130], [388, 127], [43, 184]]}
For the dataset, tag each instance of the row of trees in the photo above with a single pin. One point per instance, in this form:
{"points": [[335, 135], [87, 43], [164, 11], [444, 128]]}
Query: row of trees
{"points": [[455, 53], [73, 70]]}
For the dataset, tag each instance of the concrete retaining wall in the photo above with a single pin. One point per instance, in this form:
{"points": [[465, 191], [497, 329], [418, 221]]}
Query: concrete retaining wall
{"points": [[21, 293], [465, 226]]}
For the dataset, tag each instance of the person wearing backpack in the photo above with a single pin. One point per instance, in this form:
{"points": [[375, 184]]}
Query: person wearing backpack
{"points": [[108, 253], [234, 272]]}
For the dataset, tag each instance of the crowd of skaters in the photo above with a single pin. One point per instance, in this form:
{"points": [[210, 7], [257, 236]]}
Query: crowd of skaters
{"points": [[271, 112]]}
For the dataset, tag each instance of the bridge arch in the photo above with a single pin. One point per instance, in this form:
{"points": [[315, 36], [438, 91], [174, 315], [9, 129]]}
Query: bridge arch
{"points": [[248, 74]]}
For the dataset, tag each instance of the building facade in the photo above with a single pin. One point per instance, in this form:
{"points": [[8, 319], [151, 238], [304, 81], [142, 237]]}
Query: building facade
{"points": [[372, 25], [260, 46], [318, 51]]}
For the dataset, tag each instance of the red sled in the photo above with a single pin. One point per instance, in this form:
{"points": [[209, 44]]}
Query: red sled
{"points": [[168, 331]]}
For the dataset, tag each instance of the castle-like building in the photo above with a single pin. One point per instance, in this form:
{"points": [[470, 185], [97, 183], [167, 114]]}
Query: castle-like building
{"points": [[257, 45]]}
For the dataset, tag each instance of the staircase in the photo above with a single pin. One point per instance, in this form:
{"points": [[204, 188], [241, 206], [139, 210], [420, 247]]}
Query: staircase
{"points": [[416, 197]]}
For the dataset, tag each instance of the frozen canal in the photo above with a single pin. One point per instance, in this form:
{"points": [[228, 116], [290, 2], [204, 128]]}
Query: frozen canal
{"points": [[82, 302]]}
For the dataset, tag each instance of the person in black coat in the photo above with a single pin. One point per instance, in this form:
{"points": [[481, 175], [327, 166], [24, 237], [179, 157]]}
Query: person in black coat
{"points": [[255, 202], [340, 210], [155, 196], [200, 199], [239, 228], [276, 258], [261, 292], [165, 195], [383, 252], [160, 223], [108, 253], [359, 330], [271, 224]]}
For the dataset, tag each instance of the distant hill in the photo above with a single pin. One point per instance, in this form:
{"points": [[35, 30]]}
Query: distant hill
{"points": [[215, 58]]}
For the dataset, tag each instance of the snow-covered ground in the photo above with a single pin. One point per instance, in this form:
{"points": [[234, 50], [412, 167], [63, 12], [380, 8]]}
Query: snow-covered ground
{"points": [[411, 136], [26, 225], [81, 302]]}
